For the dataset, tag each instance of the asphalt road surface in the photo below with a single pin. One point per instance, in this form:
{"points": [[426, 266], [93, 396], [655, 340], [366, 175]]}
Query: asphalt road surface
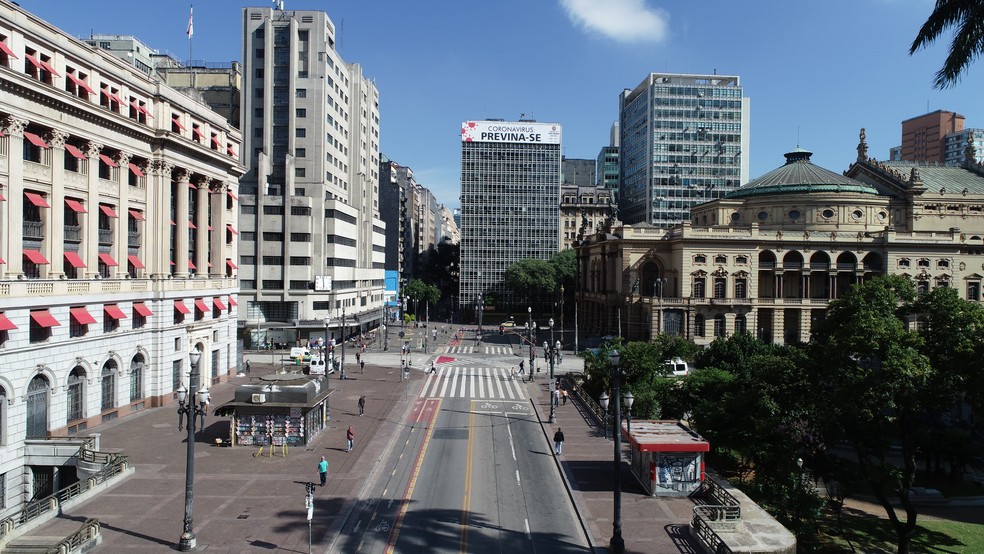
{"points": [[470, 471]]}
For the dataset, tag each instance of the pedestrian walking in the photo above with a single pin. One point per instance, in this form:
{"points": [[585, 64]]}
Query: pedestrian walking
{"points": [[556, 397], [323, 470], [358, 357], [247, 367], [433, 367], [522, 368], [563, 395], [362, 405], [558, 442], [350, 435]]}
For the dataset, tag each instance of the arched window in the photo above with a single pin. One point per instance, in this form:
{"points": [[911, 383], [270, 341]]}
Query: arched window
{"points": [[699, 287], [699, 325], [37, 408], [741, 325], [719, 325], [108, 380], [3, 416], [741, 288], [76, 394], [973, 290], [720, 287], [136, 377]]}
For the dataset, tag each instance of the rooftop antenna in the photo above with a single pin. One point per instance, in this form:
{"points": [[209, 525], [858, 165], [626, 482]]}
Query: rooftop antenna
{"points": [[797, 136], [279, 4]]}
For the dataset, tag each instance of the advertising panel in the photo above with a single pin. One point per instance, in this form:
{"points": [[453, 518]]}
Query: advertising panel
{"points": [[508, 131]]}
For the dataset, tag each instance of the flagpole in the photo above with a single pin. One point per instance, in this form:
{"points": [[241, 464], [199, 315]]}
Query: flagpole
{"points": [[191, 33]]}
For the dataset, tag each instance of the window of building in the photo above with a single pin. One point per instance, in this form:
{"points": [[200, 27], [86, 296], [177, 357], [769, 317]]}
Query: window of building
{"points": [[741, 288], [273, 210], [300, 132], [699, 287], [76, 394], [300, 237], [300, 113], [700, 259], [302, 93], [272, 284], [299, 285], [699, 325], [300, 261], [741, 324], [176, 375], [272, 236], [108, 385], [300, 152], [300, 210], [136, 377], [973, 290], [299, 172], [719, 325], [720, 287], [273, 260], [41, 324]]}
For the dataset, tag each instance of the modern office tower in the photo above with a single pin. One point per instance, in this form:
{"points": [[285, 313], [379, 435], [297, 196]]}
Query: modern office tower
{"points": [[118, 249], [313, 243], [577, 172], [606, 167], [510, 203], [955, 146], [684, 141], [922, 136]]}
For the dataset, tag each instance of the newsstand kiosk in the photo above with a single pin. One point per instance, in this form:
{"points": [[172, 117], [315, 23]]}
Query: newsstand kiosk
{"points": [[278, 409], [666, 457]]}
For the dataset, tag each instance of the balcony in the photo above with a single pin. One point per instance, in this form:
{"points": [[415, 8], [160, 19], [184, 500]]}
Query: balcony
{"points": [[73, 233], [33, 230], [105, 236]]}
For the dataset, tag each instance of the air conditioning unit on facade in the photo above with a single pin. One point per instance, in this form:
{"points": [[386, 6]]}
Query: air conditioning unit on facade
{"points": [[259, 398]]}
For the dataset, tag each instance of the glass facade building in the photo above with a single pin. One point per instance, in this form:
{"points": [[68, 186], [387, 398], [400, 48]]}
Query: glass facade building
{"points": [[510, 203], [684, 141]]}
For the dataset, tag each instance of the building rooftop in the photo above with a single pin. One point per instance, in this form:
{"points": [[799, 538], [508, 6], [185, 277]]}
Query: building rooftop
{"points": [[665, 436], [799, 175]]}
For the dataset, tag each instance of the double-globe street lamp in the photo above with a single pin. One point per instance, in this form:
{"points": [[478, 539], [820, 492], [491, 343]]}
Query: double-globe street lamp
{"points": [[529, 336], [196, 408], [617, 543], [554, 349]]}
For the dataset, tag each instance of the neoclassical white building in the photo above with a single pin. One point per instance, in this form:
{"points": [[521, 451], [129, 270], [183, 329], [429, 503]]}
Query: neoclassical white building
{"points": [[118, 244], [769, 257]]}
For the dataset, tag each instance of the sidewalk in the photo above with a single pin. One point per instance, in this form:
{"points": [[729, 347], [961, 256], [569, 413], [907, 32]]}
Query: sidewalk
{"points": [[649, 524]]}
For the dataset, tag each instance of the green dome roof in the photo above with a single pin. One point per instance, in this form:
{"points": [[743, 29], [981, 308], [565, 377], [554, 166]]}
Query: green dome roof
{"points": [[799, 176]]}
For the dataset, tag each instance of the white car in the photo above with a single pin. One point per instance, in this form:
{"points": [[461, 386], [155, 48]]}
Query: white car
{"points": [[676, 367]]}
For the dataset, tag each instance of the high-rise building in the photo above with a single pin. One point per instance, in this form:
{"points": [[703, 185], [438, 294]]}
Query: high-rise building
{"points": [[510, 202], [923, 136], [684, 141], [118, 249], [955, 146], [578, 172], [313, 242], [606, 167]]}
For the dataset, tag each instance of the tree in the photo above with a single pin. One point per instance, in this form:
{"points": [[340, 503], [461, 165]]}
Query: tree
{"points": [[419, 291], [564, 264], [529, 277], [877, 386], [968, 41]]}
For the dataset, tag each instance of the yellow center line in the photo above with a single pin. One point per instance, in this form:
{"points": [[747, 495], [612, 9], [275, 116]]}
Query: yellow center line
{"points": [[466, 498], [412, 483]]}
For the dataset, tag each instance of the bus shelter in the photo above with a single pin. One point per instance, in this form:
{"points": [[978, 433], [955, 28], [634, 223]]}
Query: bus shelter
{"points": [[278, 409], [666, 457]]}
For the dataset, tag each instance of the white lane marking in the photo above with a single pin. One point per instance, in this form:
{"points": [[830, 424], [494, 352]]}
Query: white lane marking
{"points": [[444, 387], [498, 385], [517, 477], [512, 446], [529, 535]]}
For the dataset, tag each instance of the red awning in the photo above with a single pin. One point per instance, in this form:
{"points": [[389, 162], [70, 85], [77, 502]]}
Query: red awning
{"points": [[198, 133], [76, 206], [36, 257], [137, 215], [6, 50], [174, 119], [107, 259], [209, 228], [34, 61], [74, 260], [232, 230], [218, 304], [35, 140], [44, 318], [142, 309], [136, 170], [232, 301], [180, 306], [145, 111], [5, 324], [231, 264], [107, 160], [135, 261], [201, 305], [113, 311], [191, 265], [2, 197], [191, 225], [48, 68], [215, 141], [112, 96], [82, 316], [231, 195], [80, 83], [108, 210], [36, 199], [73, 150], [231, 151]]}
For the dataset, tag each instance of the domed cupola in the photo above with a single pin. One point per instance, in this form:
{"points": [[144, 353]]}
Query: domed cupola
{"points": [[800, 176]]}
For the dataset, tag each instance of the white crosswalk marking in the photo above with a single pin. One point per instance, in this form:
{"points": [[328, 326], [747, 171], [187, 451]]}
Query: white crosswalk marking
{"points": [[492, 383]]}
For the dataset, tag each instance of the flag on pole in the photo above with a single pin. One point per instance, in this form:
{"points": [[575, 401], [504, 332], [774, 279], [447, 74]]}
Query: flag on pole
{"points": [[191, 22]]}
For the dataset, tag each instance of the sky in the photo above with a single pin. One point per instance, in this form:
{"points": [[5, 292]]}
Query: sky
{"points": [[815, 72]]}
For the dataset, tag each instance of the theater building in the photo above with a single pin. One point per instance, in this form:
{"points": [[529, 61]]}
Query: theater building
{"points": [[769, 257]]}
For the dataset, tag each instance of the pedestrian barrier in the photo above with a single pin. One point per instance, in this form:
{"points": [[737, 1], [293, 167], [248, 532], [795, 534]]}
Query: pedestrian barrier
{"points": [[708, 519]]}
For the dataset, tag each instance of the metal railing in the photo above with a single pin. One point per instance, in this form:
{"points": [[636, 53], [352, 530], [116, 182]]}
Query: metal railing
{"points": [[708, 537], [115, 464], [725, 513]]}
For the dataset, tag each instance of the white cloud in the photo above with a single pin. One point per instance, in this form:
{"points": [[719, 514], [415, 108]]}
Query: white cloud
{"points": [[621, 20]]}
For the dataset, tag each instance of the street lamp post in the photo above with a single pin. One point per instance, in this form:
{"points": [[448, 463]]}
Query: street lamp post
{"points": [[386, 329], [603, 400], [341, 375], [529, 336], [553, 384], [192, 411], [324, 353], [617, 543]]}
